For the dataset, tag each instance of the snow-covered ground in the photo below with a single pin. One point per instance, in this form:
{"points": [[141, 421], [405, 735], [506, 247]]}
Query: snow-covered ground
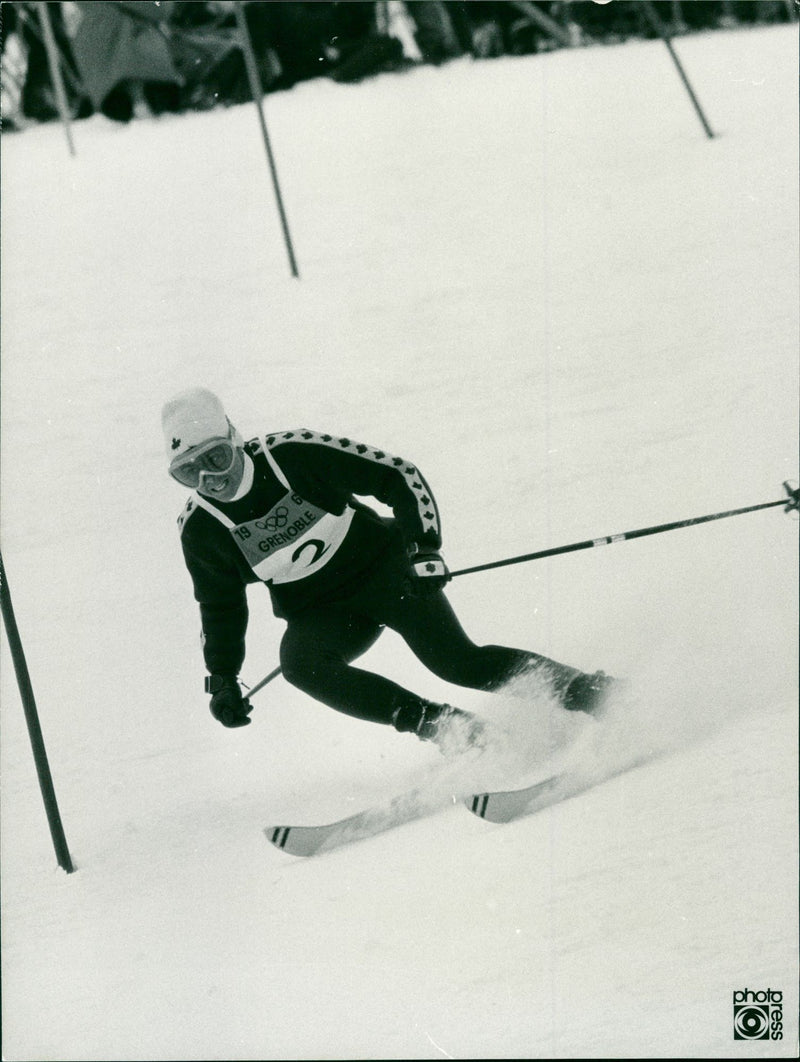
{"points": [[538, 279]]}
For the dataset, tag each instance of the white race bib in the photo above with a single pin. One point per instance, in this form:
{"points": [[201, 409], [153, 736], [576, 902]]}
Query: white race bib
{"points": [[293, 540]]}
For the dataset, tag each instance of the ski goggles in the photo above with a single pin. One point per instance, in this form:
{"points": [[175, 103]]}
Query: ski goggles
{"points": [[214, 457]]}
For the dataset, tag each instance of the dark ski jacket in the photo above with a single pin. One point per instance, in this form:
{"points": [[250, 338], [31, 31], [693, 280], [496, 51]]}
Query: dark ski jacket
{"points": [[300, 530]]}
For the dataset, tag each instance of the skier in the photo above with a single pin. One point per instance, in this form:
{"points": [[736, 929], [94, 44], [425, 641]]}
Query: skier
{"points": [[281, 509]]}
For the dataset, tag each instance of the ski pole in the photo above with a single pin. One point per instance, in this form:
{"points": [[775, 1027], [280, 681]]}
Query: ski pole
{"points": [[793, 502], [264, 681]]}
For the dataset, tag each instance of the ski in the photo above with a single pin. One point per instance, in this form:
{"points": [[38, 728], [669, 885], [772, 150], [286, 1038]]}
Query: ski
{"points": [[505, 806], [499, 806], [314, 840]]}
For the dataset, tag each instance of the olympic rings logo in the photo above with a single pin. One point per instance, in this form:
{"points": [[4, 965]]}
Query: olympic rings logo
{"points": [[275, 521]]}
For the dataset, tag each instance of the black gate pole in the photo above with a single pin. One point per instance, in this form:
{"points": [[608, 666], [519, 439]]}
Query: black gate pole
{"points": [[34, 728], [257, 92], [658, 26], [55, 71]]}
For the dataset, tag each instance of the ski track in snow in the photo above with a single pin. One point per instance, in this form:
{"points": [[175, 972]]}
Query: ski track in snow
{"points": [[536, 278]]}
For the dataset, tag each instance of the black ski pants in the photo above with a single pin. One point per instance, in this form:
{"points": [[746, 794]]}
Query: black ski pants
{"points": [[321, 643]]}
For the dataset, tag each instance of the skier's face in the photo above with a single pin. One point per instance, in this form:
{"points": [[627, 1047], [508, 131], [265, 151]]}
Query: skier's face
{"points": [[223, 485]]}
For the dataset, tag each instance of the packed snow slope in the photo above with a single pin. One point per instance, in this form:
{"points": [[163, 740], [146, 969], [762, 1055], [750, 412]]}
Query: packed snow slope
{"points": [[539, 280]]}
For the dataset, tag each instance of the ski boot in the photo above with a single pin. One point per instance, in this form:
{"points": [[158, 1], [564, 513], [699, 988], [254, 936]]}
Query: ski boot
{"points": [[452, 730], [590, 693]]}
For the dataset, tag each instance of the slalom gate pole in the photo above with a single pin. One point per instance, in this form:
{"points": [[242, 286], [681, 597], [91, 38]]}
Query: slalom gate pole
{"points": [[793, 502], [55, 71], [257, 92], [658, 26], [34, 728]]}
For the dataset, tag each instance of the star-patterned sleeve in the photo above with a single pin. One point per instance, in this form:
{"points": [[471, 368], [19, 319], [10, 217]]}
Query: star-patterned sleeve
{"points": [[218, 589], [334, 468]]}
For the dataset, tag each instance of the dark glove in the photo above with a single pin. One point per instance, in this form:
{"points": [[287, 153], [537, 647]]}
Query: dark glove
{"points": [[227, 703], [427, 573]]}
